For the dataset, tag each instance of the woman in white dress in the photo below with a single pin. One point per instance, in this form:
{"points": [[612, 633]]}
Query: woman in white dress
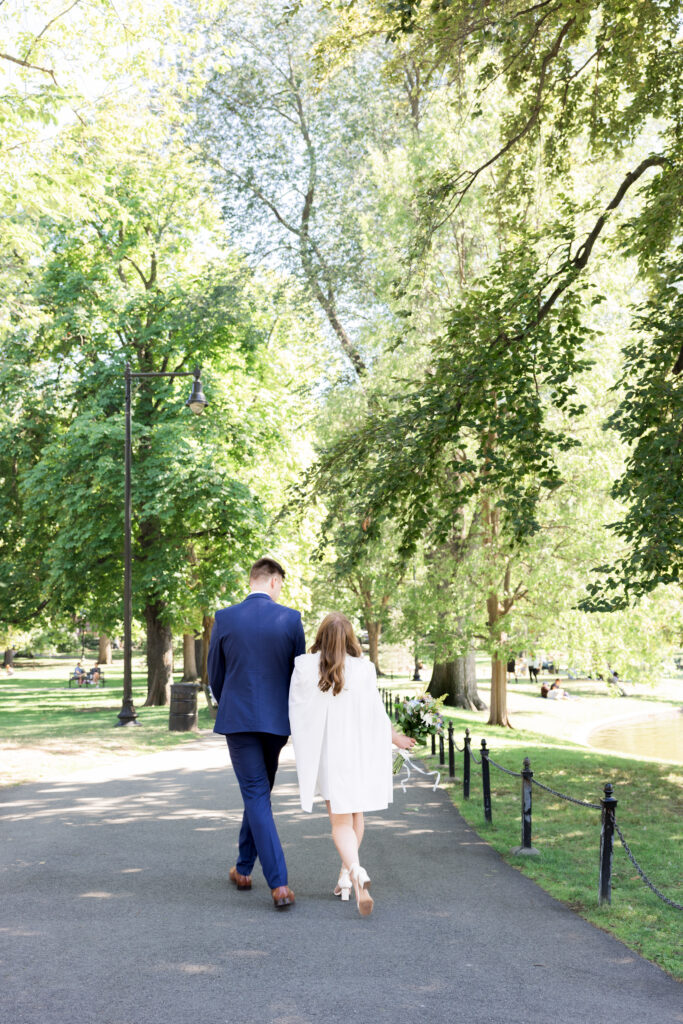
{"points": [[342, 740]]}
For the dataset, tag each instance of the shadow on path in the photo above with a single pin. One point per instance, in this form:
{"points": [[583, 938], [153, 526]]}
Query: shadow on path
{"points": [[116, 909]]}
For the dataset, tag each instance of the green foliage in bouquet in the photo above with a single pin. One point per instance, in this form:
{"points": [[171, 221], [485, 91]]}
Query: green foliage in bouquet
{"points": [[421, 716]]}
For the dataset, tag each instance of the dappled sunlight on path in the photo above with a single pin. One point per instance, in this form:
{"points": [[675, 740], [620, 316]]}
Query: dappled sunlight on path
{"points": [[116, 900]]}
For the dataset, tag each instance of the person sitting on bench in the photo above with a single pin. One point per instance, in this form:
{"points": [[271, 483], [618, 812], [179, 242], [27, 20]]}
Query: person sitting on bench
{"points": [[93, 676]]}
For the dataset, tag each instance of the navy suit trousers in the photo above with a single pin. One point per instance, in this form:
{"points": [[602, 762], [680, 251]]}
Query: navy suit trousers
{"points": [[254, 757]]}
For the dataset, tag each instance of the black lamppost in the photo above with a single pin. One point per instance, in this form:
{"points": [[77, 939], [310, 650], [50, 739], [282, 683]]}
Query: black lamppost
{"points": [[197, 403]]}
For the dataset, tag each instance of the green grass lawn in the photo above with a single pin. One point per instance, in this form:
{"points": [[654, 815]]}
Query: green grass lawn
{"points": [[38, 710], [649, 813]]}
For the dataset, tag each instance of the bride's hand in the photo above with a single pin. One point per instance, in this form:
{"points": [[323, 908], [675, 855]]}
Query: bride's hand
{"points": [[401, 741]]}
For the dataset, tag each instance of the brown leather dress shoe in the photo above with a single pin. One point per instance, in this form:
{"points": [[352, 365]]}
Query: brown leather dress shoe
{"points": [[283, 897], [241, 881]]}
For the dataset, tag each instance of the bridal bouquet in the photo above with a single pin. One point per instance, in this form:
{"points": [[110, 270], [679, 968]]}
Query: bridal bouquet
{"points": [[421, 716]]}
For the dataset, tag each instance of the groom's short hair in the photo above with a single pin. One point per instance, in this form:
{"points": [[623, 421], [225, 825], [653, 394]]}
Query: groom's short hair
{"points": [[264, 568]]}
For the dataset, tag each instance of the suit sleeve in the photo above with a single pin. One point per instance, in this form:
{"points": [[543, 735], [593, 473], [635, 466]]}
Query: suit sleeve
{"points": [[215, 664], [300, 639]]}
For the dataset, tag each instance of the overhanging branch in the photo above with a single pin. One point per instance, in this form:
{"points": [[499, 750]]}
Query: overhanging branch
{"points": [[27, 64], [576, 264]]}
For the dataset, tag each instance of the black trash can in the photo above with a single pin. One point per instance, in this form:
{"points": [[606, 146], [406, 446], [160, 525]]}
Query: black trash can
{"points": [[183, 712]]}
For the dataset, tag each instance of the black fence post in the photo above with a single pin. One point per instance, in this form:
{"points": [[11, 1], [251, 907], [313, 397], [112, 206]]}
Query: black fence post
{"points": [[396, 707], [526, 848], [466, 766], [486, 781], [442, 757], [433, 743], [609, 806], [451, 752]]}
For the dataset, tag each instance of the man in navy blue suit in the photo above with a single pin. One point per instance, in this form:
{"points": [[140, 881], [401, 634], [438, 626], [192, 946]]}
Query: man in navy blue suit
{"points": [[250, 664]]}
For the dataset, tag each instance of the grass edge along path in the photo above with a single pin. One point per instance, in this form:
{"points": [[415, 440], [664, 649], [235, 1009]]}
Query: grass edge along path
{"points": [[649, 812]]}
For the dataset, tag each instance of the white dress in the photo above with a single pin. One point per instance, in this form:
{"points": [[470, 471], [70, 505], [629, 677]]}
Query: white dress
{"points": [[342, 744]]}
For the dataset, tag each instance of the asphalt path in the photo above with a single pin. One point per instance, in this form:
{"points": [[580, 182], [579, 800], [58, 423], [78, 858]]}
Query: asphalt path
{"points": [[116, 909]]}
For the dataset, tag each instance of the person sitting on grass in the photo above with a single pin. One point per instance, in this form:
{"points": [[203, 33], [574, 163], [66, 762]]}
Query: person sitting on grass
{"points": [[613, 682], [556, 692]]}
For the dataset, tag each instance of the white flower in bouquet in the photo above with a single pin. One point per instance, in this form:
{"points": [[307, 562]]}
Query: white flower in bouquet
{"points": [[420, 717]]}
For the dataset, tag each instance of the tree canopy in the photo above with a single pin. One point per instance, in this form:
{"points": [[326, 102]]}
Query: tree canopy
{"points": [[428, 257]]}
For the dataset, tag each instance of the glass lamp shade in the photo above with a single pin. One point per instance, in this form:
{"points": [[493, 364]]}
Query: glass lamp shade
{"points": [[197, 401]]}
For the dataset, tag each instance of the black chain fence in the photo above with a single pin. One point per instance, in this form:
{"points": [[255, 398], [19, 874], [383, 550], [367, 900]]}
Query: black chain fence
{"points": [[563, 796], [607, 806]]}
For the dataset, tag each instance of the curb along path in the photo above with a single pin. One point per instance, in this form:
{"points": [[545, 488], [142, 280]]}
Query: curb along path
{"points": [[116, 909]]}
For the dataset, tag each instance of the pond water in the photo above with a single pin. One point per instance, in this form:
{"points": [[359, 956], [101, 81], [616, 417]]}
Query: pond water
{"points": [[658, 736]]}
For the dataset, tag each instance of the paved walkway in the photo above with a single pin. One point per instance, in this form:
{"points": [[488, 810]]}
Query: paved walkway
{"points": [[115, 909]]}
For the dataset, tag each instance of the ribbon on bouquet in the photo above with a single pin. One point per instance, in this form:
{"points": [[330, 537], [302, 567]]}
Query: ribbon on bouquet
{"points": [[408, 764]]}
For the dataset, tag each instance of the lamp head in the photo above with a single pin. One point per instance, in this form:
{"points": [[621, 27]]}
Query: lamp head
{"points": [[197, 400]]}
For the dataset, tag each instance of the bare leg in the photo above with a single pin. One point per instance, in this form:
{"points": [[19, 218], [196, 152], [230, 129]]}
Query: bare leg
{"points": [[359, 826], [344, 837]]}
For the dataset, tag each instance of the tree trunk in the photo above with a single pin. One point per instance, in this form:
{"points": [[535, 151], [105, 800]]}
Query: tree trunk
{"points": [[189, 664], [499, 702], [458, 679], [104, 656], [159, 658], [470, 681], [374, 632], [9, 657], [207, 626], [499, 697]]}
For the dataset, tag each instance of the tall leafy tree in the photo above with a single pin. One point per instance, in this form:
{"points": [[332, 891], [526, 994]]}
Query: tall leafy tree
{"points": [[479, 430], [590, 75], [288, 143], [132, 283]]}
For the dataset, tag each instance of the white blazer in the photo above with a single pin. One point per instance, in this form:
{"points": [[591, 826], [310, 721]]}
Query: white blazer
{"points": [[342, 744]]}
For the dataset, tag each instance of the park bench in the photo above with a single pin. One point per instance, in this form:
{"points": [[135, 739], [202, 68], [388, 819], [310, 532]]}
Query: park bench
{"points": [[86, 679]]}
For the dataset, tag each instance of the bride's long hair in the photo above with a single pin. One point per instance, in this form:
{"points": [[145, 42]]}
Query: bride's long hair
{"points": [[335, 639]]}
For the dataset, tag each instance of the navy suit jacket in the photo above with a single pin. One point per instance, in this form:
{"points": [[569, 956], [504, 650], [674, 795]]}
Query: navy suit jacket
{"points": [[250, 664]]}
